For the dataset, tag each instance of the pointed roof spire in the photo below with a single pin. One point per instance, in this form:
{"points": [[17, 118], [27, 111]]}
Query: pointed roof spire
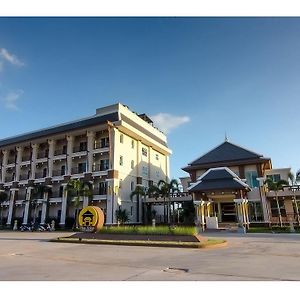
{"points": [[226, 137]]}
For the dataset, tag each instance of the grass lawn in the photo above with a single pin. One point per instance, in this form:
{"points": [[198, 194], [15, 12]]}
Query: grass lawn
{"points": [[274, 229], [148, 230]]}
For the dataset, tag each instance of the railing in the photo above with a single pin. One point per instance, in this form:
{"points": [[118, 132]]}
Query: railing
{"points": [[58, 172], [80, 149], [26, 157], [11, 161], [99, 167], [100, 191], [24, 177], [40, 175], [60, 151], [286, 218], [77, 170], [99, 145], [9, 178]]}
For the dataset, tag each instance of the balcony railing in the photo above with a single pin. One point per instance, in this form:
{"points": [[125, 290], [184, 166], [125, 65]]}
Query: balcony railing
{"points": [[24, 177], [80, 149], [58, 173], [99, 191], [60, 151], [11, 161], [42, 155], [26, 157], [9, 178], [99, 145], [77, 170], [99, 167], [40, 175]]}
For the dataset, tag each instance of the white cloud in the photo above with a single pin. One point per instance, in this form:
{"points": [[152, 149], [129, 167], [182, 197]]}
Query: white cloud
{"points": [[5, 56], [167, 122], [10, 100]]}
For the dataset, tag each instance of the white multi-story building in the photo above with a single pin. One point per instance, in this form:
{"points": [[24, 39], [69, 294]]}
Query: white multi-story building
{"points": [[115, 149]]}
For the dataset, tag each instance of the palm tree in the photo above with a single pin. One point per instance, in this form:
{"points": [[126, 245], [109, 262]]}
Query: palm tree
{"points": [[3, 197], [75, 191], [276, 186], [294, 180], [122, 215], [166, 189], [139, 191], [37, 192]]}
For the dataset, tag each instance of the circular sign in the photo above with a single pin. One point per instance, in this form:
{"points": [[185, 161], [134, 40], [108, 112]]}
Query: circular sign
{"points": [[91, 219]]}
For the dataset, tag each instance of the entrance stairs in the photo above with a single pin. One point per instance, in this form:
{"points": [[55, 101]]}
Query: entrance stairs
{"points": [[231, 227]]}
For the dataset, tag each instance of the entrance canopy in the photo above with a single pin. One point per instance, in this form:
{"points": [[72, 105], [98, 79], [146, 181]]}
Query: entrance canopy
{"points": [[218, 179]]}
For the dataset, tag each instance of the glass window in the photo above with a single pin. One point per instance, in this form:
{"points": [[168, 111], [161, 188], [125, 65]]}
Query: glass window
{"points": [[156, 156], [274, 177], [144, 152], [121, 138], [132, 164], [102, 188], [255, 212], [121, 160], [132, 144], [274, 208], [104, 164], [251, 179]]}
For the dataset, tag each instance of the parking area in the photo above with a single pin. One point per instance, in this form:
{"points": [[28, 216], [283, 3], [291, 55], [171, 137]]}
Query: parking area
{"points": [[29, 256]]}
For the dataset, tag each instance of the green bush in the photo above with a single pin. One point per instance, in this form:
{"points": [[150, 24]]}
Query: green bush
{"points": [[148, 230]]}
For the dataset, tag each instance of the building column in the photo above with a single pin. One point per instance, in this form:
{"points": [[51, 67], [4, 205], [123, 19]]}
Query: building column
{"points": [[18, 162], [70, 140], [50, 157], [112, 201], [44, 207], [264, 204], [11, 206], [33, 160], [27, 205], [4, 164], [90, 148], [63, 206]]}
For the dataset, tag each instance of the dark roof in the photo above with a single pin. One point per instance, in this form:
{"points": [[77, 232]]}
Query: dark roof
{"points": [[218, 179], [224, 153], [60, 128]]}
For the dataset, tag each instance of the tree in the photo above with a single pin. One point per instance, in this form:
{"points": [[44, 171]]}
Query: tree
{"points": [[122, 215], [139, 191], [75, 191], [3, 197], [294, 180], [276, 186]]}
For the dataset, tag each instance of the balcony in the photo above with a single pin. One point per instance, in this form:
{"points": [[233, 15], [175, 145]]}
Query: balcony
{"points": [[58, 173], [100, 191], [100, 167], [100, 145], [43, 154], [24, 177], [77, 170], [80, 148], [62, 151], [174, 197], [26, 158], [11, 161], [40, 175], [289, 191], [9, 178]]}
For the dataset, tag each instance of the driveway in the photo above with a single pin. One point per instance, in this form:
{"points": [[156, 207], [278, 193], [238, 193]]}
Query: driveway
{"points": [[28, 256]]}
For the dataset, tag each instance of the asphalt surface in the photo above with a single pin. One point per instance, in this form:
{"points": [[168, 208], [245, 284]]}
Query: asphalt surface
{"points": [[29, 256]]}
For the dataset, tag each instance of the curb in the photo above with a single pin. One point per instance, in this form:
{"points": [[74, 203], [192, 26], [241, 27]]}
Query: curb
{"points": [[194, 245]]}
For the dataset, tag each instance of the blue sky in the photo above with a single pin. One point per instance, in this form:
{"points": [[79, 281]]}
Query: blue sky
{"points": [[210, 75]]}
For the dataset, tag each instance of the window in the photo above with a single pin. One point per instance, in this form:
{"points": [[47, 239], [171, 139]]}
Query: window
{"points": [[132, 164], [63, 170], [120, 184], [81, 167], [274, 177], [274, 208], [121, 160], [104, 142], [83, 146], [251, 179], [121, 138], [255, 212], [104, 164], [156, 156], [61, 191], [102, 188], [144, 171], [144, 152], [131, 210], [132, 144], [45, 172], [64, 149], [131, 185], [157, 173]]}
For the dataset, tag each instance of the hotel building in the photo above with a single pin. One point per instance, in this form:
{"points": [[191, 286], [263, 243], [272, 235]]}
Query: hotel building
{"points": [[228, 184], [115, 150]]}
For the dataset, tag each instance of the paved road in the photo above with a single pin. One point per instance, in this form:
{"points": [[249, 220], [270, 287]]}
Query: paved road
{"points": [[28, 256]]}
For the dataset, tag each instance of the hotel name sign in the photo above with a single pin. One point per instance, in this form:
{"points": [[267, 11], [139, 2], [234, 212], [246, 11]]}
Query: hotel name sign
{"points": [[91, 219]]}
